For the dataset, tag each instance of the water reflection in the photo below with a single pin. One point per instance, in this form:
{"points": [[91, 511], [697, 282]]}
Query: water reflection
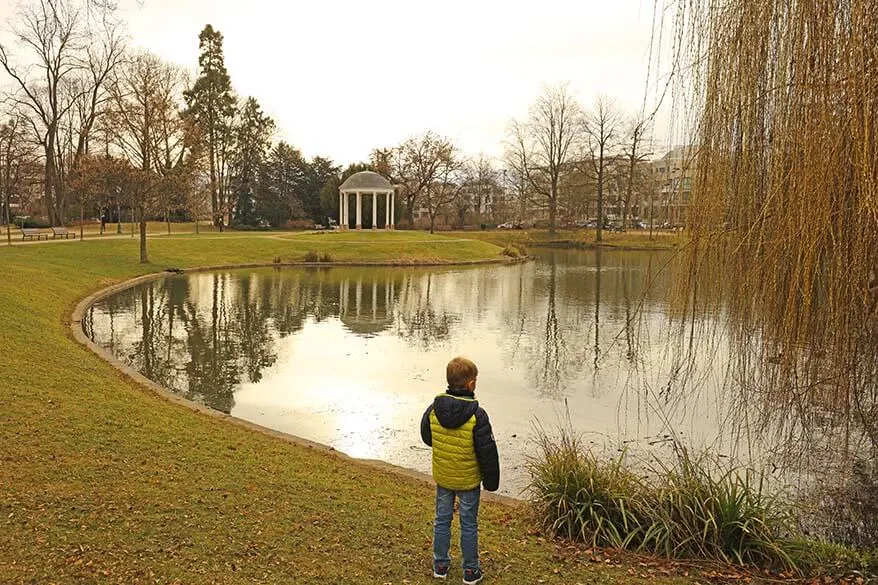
{"points": [[350, 356]]}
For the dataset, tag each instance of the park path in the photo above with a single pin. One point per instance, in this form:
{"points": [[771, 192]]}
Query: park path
{"points": [[284, 236]]}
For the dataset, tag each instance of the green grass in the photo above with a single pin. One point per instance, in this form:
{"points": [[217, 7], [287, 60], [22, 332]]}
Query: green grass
{"points": [[584, 238], [101, 481]]}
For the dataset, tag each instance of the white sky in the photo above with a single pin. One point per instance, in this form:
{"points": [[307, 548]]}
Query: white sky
{"points": [[343, 77]]}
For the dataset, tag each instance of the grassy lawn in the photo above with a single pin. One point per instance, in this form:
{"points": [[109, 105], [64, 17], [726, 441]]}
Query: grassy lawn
{"points": [[632, 239], [102, 481]]}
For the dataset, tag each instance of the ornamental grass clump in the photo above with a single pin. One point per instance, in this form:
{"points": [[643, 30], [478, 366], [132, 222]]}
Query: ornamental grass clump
{"points": [[584, 498], [706, 509], [691, 507], [514, 250]]}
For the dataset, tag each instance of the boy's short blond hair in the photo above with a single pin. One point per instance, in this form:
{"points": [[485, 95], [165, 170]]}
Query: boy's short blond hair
{"points": [[459, 371]]}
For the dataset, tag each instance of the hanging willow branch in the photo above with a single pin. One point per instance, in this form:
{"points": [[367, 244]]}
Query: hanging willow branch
{"points": [[786, 202]]}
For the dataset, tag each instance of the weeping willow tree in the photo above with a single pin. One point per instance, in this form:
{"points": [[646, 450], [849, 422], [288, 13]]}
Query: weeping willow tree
{"points": [[784, 216]]}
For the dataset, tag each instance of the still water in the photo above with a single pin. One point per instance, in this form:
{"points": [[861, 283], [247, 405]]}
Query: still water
{"points": [[351, 357]]}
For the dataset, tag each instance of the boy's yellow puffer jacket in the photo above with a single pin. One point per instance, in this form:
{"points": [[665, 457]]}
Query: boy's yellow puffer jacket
{"points": [[464, 451]]}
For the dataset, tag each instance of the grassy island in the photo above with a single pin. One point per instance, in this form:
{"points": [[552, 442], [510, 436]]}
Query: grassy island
{"points": [[103, 481]]}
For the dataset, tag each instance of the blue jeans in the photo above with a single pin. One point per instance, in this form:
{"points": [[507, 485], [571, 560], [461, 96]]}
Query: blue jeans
{"points": [[468, 505]]}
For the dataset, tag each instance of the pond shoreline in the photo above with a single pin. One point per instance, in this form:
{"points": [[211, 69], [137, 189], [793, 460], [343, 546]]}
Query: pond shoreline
{"points": [[157, 389], [581, 245]]}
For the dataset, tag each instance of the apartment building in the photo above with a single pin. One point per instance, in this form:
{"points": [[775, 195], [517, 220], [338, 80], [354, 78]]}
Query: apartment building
{"points": [[674, 174]]}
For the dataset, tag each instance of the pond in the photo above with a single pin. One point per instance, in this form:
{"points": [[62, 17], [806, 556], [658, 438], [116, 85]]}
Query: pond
{"points": [[351, 357]]}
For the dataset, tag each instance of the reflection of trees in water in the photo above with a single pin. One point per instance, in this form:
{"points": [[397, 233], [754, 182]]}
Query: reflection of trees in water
{"points": [[421, 322], [205, 334], [589, 323]]}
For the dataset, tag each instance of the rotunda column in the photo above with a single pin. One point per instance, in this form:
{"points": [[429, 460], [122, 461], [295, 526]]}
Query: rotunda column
{"points": [[374, 211], [392, 215], [387, 211]]}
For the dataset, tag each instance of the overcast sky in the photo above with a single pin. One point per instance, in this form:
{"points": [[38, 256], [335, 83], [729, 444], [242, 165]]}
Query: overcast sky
{"points": [[343, 77]]}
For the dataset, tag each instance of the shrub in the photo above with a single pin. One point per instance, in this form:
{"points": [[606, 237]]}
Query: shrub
{"points": [[514, 250], [325, 257], [299, 224], [690, 508], [311, 256], [510, 250], [32, 222]]}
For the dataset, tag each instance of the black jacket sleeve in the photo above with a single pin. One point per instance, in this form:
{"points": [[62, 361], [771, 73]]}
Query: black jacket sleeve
{"points": [[426, 433], [486, 451]]}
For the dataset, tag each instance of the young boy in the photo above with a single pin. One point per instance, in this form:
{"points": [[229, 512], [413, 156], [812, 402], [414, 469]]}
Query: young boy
{"points": [[464, 456]]}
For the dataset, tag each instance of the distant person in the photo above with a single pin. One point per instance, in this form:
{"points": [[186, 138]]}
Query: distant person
{"points": [[464, 457]]}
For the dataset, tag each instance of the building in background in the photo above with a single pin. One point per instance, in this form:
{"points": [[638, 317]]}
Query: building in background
{"points": [[674, 174]]}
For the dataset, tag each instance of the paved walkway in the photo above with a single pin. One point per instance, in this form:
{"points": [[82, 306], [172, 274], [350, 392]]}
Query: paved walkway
{"points": [[286, 236]]}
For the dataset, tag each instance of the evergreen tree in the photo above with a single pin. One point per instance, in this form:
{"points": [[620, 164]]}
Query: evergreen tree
{"points": [[319, 172], [252, 141], [211, 107], [282, 181]]}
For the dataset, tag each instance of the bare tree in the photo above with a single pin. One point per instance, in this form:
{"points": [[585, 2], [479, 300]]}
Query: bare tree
{"points": [[169, 141], [481, 183], [445, 187], [602, 127], [385, 161], [420, 161], [147, 98], [636, 152], [542, 147], [67, 52], [17, 162]]}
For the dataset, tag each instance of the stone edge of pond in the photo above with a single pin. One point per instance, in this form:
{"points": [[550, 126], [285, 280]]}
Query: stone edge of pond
{"points": [[160, 391]]}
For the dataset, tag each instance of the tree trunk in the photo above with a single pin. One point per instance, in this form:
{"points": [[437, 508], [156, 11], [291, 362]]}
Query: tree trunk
{"points": [[49, 176], [600, 224], [118, 219], [81, 220], [168, 220], [132, 222], [432, 221], [144, 259], [553, 209], [8, 227]]}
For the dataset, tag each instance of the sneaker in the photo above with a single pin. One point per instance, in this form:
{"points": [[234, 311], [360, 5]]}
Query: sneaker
{"points": [[440, 571], [472, 576]]}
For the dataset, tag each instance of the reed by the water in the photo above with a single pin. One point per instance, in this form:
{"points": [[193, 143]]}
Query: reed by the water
{"points": [[689, 507]]}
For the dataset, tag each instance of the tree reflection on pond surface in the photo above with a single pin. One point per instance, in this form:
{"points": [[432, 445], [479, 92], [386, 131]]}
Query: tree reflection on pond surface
{"points": [[351, 356]]}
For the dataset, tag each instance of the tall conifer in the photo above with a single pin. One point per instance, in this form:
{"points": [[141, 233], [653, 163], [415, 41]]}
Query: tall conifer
{"points": [[211, 107]]}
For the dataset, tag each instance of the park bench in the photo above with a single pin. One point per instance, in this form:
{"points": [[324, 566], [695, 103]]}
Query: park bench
{"points": [[62, 231], [32, 233]]}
